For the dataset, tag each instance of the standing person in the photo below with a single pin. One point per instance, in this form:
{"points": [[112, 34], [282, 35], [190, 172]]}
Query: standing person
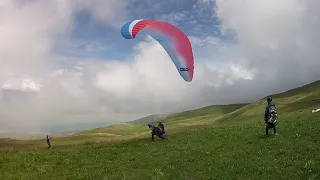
{"points": [[155, 131], [48, 141], [270, 116], [161, 127]]}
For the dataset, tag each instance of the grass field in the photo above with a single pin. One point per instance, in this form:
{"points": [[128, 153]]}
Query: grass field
{"points": [[217, 142]]}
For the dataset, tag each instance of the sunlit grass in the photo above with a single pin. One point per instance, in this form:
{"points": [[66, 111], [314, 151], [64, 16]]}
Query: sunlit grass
{"points": [[228, 152]]}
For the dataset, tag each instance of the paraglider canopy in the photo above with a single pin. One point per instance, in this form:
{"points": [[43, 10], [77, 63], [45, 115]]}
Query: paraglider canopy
{"points": [[172, 39]]}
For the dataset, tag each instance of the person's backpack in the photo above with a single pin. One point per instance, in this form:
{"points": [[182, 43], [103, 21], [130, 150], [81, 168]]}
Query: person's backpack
{"points": [[161, 126], [273, 114]]}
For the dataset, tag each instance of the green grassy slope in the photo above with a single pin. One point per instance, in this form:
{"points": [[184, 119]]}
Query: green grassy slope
{"points": [[217, 142], [150, 118], [293, 100], [215, 110], [174, 123], [312, 88], [297, 99], [229, 152]]}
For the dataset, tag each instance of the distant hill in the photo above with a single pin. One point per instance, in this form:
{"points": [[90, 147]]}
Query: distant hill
{"points": [[297, 99], [33, 136], [204, 111], [312, 88], [21, 136], [308, 93], [151, 118]]}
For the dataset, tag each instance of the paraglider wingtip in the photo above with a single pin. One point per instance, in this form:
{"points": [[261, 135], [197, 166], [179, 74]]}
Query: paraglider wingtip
{"points": [[188, 80]]}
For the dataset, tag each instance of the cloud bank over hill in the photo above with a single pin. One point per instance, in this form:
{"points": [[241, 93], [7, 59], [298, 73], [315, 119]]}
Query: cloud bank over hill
{"points": [[275, 48]]}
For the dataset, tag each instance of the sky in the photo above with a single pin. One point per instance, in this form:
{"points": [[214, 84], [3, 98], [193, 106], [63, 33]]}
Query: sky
{"points": [[64, 63]]}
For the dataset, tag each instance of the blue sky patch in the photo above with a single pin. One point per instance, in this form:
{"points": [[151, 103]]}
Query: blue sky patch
{"points": [[93, 39]]}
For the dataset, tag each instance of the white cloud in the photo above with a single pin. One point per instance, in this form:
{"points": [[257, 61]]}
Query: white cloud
{"points": [[152, 79], [29, 32], [172, 18], [82, 47], [276, 42], [21, 84], [274, 32], [111, 12]]}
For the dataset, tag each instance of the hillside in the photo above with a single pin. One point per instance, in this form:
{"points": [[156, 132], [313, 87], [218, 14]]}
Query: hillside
{"points": [[215, 142], [305, 95], [214, 110], [309, 89], [297, 99], [229, 152], [150, 118]]}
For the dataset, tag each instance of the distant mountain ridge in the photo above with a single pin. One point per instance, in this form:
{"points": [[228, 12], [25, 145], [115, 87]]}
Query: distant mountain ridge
{"points": [[202, 111], [307, 88], [150, 118], [307, 95], [32, 136]]}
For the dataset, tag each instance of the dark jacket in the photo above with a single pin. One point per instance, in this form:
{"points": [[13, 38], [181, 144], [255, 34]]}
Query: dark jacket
{"points": [[156, 130]]}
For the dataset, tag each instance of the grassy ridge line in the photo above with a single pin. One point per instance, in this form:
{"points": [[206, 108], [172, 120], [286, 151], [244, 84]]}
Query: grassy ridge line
{"points": [[296, 99], [205, 111], [309, 88], [133, 132], [305, 97], [128, 131], [192, 117]]}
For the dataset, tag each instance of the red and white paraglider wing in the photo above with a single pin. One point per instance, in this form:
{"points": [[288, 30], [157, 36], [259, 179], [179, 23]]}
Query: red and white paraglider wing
{"points": [[172, 39]]}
